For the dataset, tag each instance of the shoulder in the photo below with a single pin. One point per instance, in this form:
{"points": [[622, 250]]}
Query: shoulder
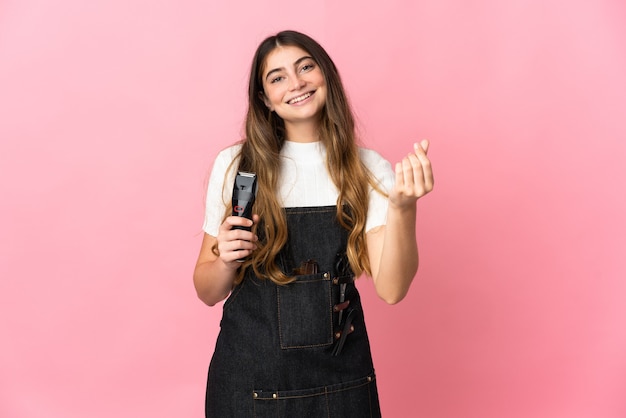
{"points": [[224, 165], [380, 169], [373, 160], [229, 153], [225, 158]]}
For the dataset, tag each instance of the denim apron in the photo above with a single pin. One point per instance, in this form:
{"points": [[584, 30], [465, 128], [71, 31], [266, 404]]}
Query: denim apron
{"points": [[297, 350]]}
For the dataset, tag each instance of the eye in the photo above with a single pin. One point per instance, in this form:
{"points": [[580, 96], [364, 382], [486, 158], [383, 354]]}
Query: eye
{"points": [[276, 79], [307, 67]]}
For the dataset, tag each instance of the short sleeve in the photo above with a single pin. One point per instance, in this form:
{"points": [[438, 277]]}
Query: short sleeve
{"points": [[219, 190], [385, 177]]}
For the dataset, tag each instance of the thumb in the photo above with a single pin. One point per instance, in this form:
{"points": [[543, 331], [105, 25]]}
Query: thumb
{"points": [[424, 144]]}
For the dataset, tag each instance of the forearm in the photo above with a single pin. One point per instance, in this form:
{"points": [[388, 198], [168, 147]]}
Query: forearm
{"points": [[393, 253], [213, 281], [399, 260]]}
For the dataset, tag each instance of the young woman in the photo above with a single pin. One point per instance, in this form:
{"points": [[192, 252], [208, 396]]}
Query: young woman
{"points": [[293, 340]]}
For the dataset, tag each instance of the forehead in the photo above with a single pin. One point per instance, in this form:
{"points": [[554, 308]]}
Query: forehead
{"points": [[283, 56]]}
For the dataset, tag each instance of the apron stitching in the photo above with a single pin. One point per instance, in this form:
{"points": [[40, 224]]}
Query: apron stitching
{"points": [[322, 391], [327, 403], [280, 328]]}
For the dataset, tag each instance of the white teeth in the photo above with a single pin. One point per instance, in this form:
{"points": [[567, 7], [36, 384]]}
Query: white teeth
{"points": [[301, 98]]}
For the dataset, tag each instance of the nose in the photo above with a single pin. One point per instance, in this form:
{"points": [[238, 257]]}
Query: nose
{"points": [[296, 83]]}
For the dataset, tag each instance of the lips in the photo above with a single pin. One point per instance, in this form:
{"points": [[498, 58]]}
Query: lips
{"points": [[300, 98]]}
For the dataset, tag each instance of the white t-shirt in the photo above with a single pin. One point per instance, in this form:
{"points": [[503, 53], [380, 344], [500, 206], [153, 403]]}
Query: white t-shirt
{"points": [[304, 182]]}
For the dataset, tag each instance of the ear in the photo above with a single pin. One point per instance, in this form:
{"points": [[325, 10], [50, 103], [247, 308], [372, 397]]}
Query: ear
{"points": [[266, 100]]}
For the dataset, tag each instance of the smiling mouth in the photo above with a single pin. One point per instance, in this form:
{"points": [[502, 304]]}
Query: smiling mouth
{"points": [[301, 98]]}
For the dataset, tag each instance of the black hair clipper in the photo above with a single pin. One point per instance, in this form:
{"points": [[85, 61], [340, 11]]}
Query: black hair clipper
{"points": [[244, 195]]}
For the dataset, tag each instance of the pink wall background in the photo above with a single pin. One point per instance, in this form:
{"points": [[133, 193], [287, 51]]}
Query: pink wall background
{"points": [[112, 111]]}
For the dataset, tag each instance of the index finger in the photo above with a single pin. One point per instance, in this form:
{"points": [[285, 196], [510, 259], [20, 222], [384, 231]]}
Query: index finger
{"points": [[232, 221]]}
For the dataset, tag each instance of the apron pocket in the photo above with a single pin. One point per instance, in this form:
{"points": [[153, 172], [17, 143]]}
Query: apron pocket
{"points": [[268, 405], [354, 399], [305, 312]]}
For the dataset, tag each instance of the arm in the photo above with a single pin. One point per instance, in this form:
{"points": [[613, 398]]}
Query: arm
{"points": [[214, 275], [392, 248]]}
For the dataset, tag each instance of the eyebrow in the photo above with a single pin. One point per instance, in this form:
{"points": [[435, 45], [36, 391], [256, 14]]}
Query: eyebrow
{"points": [[295, 64]]}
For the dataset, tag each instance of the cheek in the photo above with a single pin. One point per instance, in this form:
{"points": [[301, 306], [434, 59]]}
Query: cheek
{"points": [[320, 79], [274, 95]]}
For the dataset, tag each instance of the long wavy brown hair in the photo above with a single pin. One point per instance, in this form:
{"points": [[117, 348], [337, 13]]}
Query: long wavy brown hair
{"points": [[260, 153]]}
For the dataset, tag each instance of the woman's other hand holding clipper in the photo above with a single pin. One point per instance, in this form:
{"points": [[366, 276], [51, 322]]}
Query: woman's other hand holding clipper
{"points": [[235, 244]]}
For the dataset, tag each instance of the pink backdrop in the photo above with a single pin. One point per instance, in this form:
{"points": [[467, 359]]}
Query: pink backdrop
{"points": [[112, 111]]}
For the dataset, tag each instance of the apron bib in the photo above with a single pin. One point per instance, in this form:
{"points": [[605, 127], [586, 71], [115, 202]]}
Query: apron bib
{"points": [[297, 350]]}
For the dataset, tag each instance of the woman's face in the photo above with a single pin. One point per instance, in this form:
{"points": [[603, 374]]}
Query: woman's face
{"points": [[294, 85]]}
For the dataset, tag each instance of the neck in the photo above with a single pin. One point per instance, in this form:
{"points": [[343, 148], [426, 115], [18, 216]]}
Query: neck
{"points": [[302, 132]]}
